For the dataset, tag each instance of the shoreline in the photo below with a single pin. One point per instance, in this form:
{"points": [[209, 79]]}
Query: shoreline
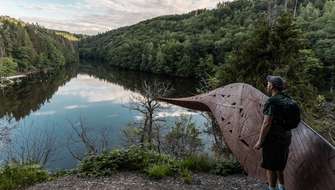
{"points": [[10, 80]]}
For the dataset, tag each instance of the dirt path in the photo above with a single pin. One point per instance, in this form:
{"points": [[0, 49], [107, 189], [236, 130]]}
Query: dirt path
{"points": [[128, 180]]}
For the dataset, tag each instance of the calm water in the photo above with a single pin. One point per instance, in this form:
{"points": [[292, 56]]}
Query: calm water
{"points": [[49, 106]]}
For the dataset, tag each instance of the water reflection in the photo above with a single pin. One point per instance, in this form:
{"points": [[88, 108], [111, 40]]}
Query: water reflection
{"points": [[55, 101], [29, 95]]}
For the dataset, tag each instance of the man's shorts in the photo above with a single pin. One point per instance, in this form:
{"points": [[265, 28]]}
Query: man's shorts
{"points": [[274, 156]]}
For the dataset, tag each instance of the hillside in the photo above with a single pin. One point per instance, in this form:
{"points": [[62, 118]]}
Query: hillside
{"points": [[29, 47], [196, 43]]}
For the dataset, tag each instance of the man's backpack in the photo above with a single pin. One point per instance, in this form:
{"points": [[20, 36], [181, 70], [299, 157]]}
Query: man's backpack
{"points": [[291, 114]]}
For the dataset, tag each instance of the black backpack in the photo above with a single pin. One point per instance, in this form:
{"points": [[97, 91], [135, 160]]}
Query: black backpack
{"points": [[291, 114]]}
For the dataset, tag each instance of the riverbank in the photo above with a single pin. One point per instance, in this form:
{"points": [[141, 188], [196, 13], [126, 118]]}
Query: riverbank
{"points": [[138, 181], [10, 80]]}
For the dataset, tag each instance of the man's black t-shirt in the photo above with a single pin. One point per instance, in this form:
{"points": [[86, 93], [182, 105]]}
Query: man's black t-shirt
{"points": [[277, 133]]}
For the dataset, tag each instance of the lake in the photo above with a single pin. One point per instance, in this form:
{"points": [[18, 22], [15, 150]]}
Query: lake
{"points": [[43, 110]]}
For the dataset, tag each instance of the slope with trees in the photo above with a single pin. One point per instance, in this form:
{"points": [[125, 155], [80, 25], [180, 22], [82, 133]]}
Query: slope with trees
{"points": [[29, 47]]}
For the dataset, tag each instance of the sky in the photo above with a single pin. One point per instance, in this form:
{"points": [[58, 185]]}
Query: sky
{"points": [[95, 16]]}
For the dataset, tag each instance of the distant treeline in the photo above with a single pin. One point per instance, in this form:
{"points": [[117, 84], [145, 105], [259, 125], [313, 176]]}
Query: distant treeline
{"points": [[29, 47]]}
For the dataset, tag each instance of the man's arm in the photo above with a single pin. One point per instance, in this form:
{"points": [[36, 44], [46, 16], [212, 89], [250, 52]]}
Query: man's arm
{"points": [[264, 131]]}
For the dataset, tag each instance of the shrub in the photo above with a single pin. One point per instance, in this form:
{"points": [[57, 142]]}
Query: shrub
{"points": [[226, 167], [199, 163], [157, 171], [153, 164], [21, 176], [186, 176], [7, 66], [133, 159]]}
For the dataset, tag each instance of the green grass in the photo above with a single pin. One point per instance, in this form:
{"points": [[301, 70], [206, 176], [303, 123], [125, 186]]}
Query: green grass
{"points": [[199, 163], [21, 176], [158, 171], [153, 164], [186, 176]]}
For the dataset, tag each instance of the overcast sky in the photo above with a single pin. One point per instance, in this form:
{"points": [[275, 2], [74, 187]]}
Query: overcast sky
{"points": [[94, 16]]}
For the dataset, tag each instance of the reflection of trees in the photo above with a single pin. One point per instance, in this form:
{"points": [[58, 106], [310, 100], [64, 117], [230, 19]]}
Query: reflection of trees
{"points": [[29, 95], [132, 80]]}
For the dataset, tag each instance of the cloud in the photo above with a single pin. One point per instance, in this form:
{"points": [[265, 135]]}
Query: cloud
{"points": [[95, 16], [71, 107], [113, 115], [138, 117], [43, 113], [175, 113], [93, 90]]}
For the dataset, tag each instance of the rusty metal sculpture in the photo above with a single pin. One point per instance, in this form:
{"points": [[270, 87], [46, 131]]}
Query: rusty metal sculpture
{"points": [[238, 110]]}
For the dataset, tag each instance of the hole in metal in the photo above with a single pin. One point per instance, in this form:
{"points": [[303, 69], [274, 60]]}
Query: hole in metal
{"points": [[244, 142]]}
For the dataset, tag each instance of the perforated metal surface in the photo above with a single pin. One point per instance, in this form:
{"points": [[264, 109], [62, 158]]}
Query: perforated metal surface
{"points": [[238, 110]]}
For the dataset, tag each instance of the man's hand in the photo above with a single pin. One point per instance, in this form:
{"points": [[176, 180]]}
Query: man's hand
{"points": [[258, 145], [264, 131]]}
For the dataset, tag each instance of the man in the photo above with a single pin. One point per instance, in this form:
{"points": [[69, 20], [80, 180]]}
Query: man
{"points": [[273, 138]]}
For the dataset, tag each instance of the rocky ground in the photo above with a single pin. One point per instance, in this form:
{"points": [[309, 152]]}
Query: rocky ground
{"points": [[128, 180]]}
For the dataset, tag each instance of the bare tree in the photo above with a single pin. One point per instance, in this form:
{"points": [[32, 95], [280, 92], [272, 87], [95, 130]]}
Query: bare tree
{"points": [[132, 134], [184, 138], [148, 106], [5, 127], [34, 146], [92, 144]]}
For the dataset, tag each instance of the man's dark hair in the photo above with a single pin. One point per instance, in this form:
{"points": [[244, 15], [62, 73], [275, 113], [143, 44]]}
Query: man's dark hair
{"points": [[277, 82]]}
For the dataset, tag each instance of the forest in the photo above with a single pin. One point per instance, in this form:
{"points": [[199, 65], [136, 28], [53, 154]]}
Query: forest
{"points": [[217, 43], [30, 47]]}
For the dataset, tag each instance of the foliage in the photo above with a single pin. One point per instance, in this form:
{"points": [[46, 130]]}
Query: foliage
{"points": [[200, 163], [33, 47], [21, 176], [68, 36], [186, 175], [7, 66], [226, 167], [134, 158], [277, 49], [157, 171], [319, 26], [184, 138], [152, 163], [191, 44], [197, 43]]}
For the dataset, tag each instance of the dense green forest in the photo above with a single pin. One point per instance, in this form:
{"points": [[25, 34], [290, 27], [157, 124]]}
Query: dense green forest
{"points": [[208, 43], [28, 47]]}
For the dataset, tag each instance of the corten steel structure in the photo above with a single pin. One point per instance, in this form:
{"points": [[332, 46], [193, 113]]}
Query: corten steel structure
{"points": [[238, 110]]}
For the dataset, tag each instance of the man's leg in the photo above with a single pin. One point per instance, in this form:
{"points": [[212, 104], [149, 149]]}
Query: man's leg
{"points": [[272, 178], [280, 175]]}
